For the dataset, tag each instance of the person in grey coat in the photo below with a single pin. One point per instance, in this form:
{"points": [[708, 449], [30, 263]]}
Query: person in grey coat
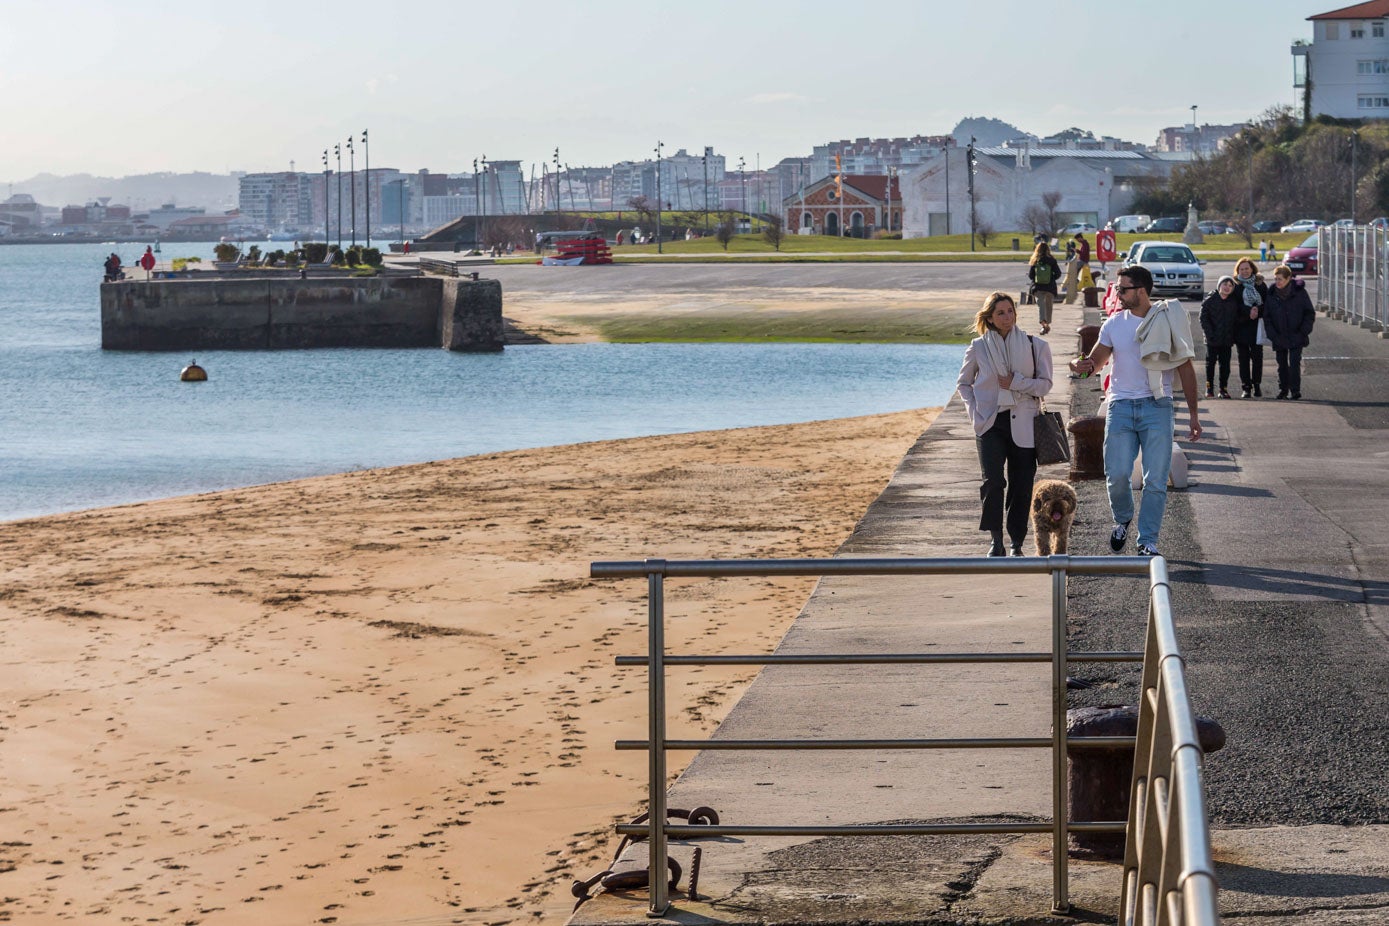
{"points": [[1288, 319]]}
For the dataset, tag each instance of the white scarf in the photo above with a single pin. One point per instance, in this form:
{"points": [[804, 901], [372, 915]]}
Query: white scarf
{"points": [[1164, 341], [1008, 355]]}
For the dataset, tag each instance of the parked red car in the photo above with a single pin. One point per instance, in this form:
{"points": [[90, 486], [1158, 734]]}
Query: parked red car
{"points": [[1303, 258]]}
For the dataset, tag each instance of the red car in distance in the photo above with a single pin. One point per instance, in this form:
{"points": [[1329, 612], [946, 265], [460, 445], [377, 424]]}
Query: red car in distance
{"points": [[1303, 258]]}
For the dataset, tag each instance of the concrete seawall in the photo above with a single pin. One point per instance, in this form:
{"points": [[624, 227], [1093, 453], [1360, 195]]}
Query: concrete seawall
{"points": [[276, 313]]}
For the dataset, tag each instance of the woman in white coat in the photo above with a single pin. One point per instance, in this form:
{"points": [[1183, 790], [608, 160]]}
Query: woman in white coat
{"points": [[1004, 374]]}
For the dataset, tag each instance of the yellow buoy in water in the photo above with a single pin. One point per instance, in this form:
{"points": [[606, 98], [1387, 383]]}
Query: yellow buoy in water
{"points": [[193, 373]]}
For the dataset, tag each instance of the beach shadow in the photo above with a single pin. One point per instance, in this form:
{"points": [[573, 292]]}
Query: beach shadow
{"points": [[1250, 880]]}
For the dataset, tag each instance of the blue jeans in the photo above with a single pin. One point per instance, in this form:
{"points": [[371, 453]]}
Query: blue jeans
{"points": [[1131, 425]]}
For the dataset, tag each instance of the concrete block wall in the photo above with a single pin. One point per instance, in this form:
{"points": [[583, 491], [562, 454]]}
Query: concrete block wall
{"points": [[264, 313]]}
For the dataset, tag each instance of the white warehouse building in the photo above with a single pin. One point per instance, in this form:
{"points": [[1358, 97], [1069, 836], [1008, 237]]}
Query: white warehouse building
{"points": [[1095, 185]]}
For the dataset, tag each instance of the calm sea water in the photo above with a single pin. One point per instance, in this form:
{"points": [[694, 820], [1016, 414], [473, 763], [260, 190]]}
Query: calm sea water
{"points": [[81, 427]]}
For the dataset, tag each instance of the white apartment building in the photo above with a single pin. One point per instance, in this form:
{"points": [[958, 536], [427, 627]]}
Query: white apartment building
{"points": [[1347, 62]]}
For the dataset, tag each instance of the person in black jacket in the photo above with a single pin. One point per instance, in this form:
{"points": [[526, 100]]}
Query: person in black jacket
{"points": [[1043, 271], [1218, 314], [1288, 319], [1250, 289]]}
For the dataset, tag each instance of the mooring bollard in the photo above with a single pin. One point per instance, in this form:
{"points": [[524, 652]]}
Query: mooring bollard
{"points": [[1087, 447], [1089, 335], [1100, 779]]}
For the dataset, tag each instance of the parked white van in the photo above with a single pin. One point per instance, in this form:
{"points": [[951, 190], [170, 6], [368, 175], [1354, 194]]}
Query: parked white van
{"points": [[1131, 223]]}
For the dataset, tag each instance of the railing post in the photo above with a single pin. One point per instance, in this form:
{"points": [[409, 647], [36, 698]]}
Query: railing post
{"points": [[1060, 859], [656, 752]]}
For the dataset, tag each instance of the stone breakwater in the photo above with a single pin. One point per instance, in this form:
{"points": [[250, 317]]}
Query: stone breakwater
{"points": [[277, 313]]}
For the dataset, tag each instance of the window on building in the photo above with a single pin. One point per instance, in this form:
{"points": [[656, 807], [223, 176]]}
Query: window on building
{"points": [[1357, 30], [1373, 102], [1377, 29], [1333, 31]]}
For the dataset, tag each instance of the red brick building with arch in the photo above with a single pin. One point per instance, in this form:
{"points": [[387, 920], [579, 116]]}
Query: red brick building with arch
{"points": [[870, 202]]}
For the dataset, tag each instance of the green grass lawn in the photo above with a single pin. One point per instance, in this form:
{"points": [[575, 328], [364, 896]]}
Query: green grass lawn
{"points": [[825, 249]]}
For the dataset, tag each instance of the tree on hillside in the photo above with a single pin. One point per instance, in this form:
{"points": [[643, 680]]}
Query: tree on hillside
{"points": [[772, 231], [1036, 220], [644, 208], [1049, 202], [726, 229]]}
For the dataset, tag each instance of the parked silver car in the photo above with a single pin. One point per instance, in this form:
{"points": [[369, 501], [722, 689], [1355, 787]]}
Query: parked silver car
{"points": [[1175, 270]]}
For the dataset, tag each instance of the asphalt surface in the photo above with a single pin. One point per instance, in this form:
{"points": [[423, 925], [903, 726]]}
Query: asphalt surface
{"points": [[1278, 557], [1278, 586]]}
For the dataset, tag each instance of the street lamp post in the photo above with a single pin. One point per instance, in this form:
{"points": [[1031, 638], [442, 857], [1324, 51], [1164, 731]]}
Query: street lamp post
{"points": [[483, 242], [743, 186], [659, 247], [352, 185], [946, 152], [969, 164], [401, 202], [891, 172], [1354, 137], [706, 190], [559, 200], [366, 151], [326, 174], [337, 149], [477, 207]]}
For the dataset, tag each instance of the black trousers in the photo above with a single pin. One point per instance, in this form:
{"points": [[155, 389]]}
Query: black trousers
{"points": [[1251, 365], [1221, 354], [1012, 495], [1289, 369]]}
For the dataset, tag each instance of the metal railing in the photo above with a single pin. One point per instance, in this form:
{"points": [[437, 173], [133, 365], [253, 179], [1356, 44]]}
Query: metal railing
{"points": [[1353, 263], [1191, 856], [1169, 874]]}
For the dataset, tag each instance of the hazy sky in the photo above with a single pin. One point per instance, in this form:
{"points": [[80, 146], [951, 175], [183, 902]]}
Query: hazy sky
{"points": [[114, 88]]}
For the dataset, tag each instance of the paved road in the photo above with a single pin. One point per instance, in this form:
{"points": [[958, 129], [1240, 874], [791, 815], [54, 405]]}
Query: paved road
{"points": [[1280, 557], [1279, 564]]}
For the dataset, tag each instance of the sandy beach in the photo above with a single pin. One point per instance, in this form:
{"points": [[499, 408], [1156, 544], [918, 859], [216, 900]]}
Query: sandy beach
{"points": [[388, 695]]}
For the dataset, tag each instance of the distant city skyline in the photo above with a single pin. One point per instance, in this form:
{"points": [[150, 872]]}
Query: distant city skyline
{"points": [[191, 89]]}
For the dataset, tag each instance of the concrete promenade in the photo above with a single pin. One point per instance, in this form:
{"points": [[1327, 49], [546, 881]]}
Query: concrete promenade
{"points": [[1279, 561]]}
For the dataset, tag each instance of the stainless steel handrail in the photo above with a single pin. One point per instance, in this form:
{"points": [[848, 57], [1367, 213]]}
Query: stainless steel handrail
{"points": [[658, 831], [1169, 872]]}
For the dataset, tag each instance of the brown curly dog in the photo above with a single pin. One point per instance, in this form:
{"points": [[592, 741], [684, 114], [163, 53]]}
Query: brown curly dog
{"points": [[1053, 510]]}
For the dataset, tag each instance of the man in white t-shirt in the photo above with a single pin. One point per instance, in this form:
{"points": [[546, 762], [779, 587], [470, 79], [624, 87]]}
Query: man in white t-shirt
{"points": [[1135, 418]]}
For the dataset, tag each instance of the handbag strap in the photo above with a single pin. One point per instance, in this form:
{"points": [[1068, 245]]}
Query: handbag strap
{"points": [[1041, 399]]}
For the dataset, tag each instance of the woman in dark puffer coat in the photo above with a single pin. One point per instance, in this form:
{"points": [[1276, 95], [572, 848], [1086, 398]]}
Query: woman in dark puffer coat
{"points": [[1288, 319]]}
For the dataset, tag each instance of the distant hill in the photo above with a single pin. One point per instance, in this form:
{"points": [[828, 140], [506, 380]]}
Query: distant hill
{"points": [[987, 132], [214, 192]]}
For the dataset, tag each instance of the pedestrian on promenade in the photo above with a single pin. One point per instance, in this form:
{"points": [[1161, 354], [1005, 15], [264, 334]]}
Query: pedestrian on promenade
{"points": [[1218, 314], [1288, 319], [1251, 291], [1073, 265], [1043, 271], [1148, 343], [1005, 372]]}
